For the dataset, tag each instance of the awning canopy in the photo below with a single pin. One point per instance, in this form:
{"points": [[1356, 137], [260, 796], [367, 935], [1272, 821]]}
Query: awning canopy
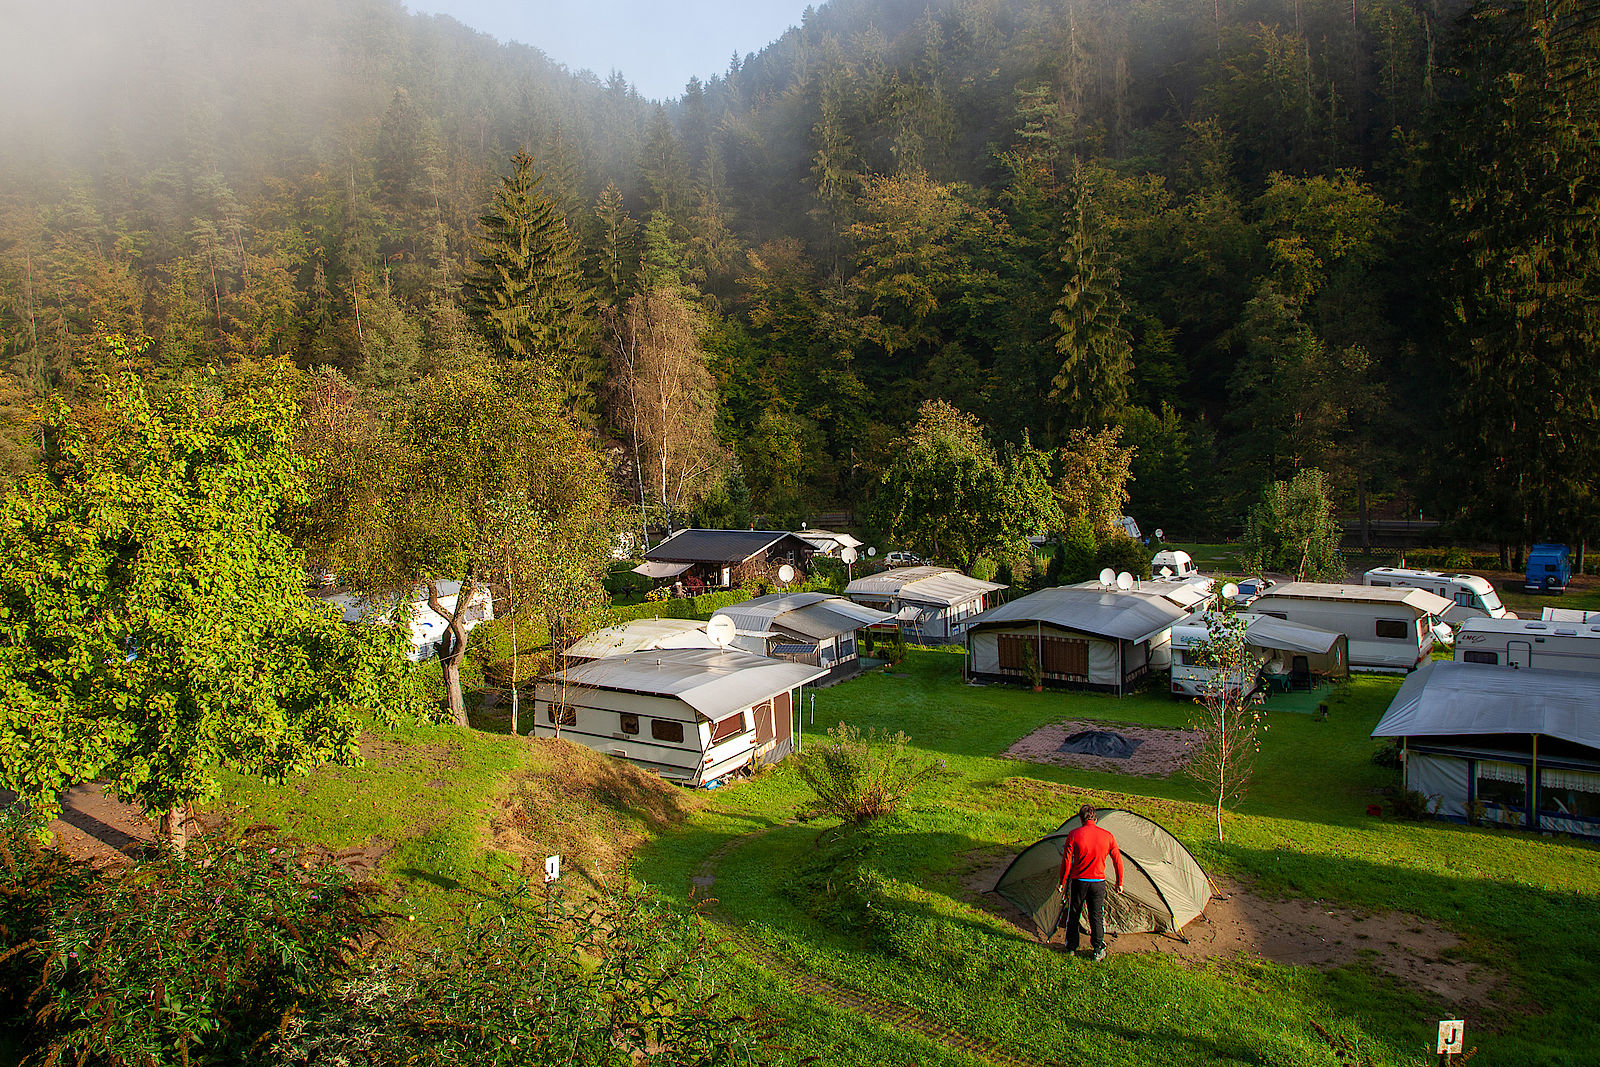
{"points": [[653, 569], [1444, 698]]}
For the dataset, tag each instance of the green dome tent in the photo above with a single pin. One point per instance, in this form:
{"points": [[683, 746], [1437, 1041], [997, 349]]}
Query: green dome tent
{"points": [[1163, 888]]}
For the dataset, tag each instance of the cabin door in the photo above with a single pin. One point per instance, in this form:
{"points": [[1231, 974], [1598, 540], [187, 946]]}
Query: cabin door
{"points": [[1519, 654]]}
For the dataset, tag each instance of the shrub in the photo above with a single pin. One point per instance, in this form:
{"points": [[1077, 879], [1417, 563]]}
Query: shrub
{"points": [[1388, 754], [533, 978], [1411, 803], [175, 960], [1077, 550], [1122, 554], [983, 568], [859, 777]]}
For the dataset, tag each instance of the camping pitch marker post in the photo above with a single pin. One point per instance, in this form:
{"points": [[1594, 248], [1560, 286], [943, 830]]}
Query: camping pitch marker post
{"points": [[552, 868], [1452, 1036]]}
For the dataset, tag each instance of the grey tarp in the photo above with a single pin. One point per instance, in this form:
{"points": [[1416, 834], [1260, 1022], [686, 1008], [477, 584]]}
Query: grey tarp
{"points": [[1163, 887]]}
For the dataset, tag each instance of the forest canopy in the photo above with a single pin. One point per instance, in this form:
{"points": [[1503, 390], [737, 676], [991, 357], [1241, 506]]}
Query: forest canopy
{"points": [[1257, 237]]}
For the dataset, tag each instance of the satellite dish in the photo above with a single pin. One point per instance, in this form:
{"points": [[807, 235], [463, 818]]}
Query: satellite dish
{"points": [[803, 526], [1108, 576], [1230, 591], [1124, 581], [785, 574], [872, 551], [1161, 535], [721, 630], [849, 555], [1166, 572]]}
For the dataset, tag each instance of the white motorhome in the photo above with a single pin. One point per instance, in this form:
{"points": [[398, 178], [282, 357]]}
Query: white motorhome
{"points": [[1389, 629], [1173, 563], [1471, 597], [1530, 644], [1298, 655]]}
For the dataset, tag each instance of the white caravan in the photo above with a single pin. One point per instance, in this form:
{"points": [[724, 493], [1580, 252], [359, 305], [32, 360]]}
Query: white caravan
{"points": [[1530, 644], [1471, 597], [1389, 629], [1173, 563]]}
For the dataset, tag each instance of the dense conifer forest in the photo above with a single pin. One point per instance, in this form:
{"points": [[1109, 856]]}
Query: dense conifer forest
{"points": [[1256, 237]]}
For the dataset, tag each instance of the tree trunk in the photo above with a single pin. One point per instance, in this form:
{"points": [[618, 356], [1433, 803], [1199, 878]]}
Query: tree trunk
{"points": [[175, 827], [455, 646], [1505, 556]]}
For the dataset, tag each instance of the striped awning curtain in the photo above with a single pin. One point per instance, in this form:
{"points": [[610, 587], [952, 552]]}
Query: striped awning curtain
{"points": [[1582, 781], [1495, 771]]}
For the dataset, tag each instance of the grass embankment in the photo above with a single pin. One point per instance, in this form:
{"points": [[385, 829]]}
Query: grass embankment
{"points": [[904, 926]]}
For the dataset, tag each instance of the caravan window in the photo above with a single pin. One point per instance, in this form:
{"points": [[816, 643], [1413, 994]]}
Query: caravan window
{"points": [[1395, 628], [733, 724], [1474, 656], [630, 723], [1502, 785], [667, 730], [565, 714], [1466, 600], [1569, 794]]}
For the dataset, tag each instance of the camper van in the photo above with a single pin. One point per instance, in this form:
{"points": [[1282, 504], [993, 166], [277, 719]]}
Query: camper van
{"points": [[1549, 568], [1530, 644], [1297, 656], [1389, 629], [1473, 597]]}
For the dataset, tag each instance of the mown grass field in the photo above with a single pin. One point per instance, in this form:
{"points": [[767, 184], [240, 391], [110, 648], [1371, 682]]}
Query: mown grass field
{"points": [[888, 915], [1524, 905]]}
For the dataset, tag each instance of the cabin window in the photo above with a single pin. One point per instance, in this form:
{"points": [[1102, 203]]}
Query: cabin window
{"points": [[667, 730], [1466, 600], [1395, 628], [564, 714], [630, 723], [1384, 584], [1474, 656], [733, 724], [1569, 794]]}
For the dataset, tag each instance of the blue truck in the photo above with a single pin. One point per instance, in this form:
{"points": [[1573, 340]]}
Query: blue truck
{"points": [[1549, 568]]}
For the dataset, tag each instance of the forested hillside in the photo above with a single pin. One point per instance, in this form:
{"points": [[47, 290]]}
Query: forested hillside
{"points": [[1257, 237]]}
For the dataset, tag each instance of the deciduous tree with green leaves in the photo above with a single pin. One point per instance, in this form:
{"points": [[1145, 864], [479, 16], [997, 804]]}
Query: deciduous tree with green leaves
{"points": [[468, 471], [154, 623], [1293, 530]]}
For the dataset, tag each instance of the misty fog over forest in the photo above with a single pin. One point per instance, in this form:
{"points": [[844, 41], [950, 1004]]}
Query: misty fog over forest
{"points": [[1256, 237]]}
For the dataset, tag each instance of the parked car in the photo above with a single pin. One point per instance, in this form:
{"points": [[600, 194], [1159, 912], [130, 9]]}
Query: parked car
{"points": [[904, 559]]}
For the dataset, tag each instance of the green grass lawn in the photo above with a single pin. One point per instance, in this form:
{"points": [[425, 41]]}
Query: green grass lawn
{"points": [[1523, 905]]}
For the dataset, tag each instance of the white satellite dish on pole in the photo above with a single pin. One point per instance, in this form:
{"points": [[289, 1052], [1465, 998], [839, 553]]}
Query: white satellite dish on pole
{"points": [[1161, 535], [785, 574], [721, 630], [849, 555], [1124, 581], [1108, 576], [1230, 591], [872, 551]]}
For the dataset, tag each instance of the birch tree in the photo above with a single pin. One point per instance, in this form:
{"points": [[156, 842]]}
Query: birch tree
{"points": [[1229, 722], [665, 399]]}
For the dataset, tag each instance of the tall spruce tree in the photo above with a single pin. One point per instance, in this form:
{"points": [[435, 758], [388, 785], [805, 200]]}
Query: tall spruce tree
{"points": [[1095, 348], [526, 289], [1525, 175]]}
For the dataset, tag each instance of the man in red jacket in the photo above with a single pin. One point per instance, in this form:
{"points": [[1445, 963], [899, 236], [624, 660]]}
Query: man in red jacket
{"points": [[1083, 878]]}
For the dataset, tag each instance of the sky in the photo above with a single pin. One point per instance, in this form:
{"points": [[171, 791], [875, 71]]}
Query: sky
{"points": [[658, 46]]}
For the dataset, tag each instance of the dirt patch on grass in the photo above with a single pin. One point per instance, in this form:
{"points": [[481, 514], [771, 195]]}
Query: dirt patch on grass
{"points": [[591, 809], [1160, 751], [1241, 924]]}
